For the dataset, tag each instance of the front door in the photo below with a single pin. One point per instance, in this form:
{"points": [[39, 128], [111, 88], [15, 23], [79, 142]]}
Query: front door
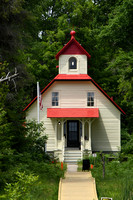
{"points": [[73, 134]]}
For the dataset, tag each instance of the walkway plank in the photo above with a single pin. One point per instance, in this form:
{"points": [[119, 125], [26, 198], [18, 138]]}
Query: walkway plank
{"points": [[77, 186]]}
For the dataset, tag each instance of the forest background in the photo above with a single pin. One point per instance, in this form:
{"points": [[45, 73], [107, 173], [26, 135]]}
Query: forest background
{"points": [[32, 32]]}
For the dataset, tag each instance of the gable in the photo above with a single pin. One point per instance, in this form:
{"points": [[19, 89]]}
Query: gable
{"points": [[72, 47], [82, 77]]}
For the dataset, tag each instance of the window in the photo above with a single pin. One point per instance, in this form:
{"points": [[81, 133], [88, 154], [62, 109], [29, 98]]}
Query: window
{"points": [[72, 63], [90, 99], [55, 98]]}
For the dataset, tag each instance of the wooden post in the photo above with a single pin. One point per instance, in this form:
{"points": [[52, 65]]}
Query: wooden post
{"points": [[90, 133], [56, 132], [83, 137], [62, 138], [103, 164]]}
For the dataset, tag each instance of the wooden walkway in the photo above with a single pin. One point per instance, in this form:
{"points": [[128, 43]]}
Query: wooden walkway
{"points": [[77, 186]]}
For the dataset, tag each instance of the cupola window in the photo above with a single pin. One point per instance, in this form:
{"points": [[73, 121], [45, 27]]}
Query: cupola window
{"points": [[72, 63]]}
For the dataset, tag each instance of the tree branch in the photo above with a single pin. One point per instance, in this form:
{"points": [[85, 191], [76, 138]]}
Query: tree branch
{"points": [[8, 78]]}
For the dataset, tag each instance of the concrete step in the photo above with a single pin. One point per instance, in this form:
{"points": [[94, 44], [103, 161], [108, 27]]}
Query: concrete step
{"points": [[72, 156], [72, 151]]}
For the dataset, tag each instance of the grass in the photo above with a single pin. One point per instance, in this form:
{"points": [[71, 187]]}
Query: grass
{"points": [[79, 169], [45, 187], [118, 180], [109, 188]]}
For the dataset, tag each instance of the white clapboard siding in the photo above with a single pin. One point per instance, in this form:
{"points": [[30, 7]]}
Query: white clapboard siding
{"points": [[81, 64], [73, 94], [106, 129]]}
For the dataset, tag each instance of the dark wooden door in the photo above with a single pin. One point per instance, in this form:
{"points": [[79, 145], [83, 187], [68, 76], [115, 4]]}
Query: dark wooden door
{"points": [[73, 133]]}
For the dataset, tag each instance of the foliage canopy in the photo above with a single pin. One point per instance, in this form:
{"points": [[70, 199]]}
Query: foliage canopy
{"points": [[32, 33]]}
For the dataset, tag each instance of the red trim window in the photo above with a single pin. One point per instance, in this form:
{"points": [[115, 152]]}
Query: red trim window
{"points": [[90, 99], [72, 63], [55, 98]]}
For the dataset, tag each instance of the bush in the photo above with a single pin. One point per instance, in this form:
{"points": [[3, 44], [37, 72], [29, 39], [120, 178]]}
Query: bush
{"points": [[127, 142], [29, 173], [20, 189]]}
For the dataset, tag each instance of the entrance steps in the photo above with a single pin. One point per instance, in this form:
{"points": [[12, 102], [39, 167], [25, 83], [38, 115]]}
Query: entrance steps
{"points": [[72, 155]]}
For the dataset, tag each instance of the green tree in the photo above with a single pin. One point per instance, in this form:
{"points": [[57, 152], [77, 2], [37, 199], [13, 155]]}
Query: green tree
{"points": [[115, 41], [35, 139]]}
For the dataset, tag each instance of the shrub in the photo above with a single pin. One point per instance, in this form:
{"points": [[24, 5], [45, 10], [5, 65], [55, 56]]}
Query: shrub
{"points": [[21, 188]]}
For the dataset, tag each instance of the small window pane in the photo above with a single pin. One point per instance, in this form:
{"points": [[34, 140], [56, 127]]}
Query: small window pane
{"points": [[72, 63], [90, 99], [53, 103], [55, 98], [92, 103]]}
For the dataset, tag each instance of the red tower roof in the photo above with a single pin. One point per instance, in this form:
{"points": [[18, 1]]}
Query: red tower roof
{"points": [[72, 47]]}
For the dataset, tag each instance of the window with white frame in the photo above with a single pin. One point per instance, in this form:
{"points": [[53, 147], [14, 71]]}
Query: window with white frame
{"points": [[90, 99], [55, 98], [72, 63]]}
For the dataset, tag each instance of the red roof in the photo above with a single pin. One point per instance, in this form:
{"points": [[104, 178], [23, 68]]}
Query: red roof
{"points": [[74, 77], [72, 47], [72, 112], [77, 77]]}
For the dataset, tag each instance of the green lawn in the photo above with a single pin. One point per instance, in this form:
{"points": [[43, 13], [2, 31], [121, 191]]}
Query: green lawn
{"points": [[45, 189], [39, 183], [118, 180]]}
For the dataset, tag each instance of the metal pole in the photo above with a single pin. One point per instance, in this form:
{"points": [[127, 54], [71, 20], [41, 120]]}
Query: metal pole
{"points": [[38, 109]]}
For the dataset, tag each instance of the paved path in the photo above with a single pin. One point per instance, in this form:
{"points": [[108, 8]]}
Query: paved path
{"points": [[72, 167], [77, 186]]}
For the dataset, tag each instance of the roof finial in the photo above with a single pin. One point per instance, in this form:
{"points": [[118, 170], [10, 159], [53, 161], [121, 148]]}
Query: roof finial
{"points": [[72, 34]]}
